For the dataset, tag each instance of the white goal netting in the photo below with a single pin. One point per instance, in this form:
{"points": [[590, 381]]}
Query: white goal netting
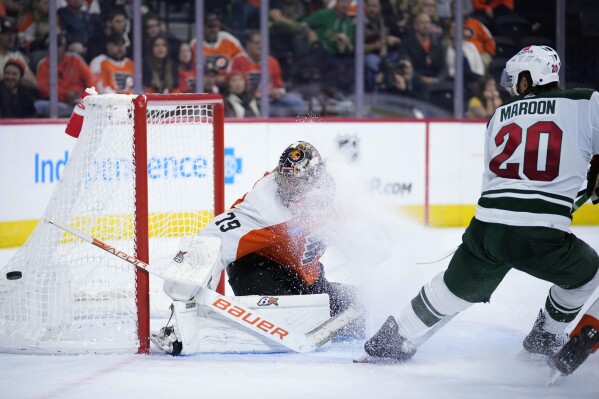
{"points": [[73, 297]]}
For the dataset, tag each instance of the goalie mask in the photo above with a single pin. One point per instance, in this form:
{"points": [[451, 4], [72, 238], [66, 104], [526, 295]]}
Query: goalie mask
{"points": [[542, 62], [299, 170]]}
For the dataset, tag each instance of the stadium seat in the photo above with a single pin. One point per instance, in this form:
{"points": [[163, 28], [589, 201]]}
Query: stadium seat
{"points": [[537, 41], [441, 95], [496, 67], [505, 47], [512, 26]]}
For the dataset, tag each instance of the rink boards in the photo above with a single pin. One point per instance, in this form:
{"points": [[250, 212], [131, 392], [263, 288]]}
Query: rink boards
{"points": [[428, 168]]}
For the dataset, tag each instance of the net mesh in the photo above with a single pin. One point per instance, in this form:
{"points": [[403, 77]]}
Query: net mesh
{"points": [[75, 297]]}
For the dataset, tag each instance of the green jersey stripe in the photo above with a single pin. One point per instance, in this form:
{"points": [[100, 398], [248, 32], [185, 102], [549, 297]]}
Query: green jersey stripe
{"points": [[536, 205], [423, 312], [532, 192]]}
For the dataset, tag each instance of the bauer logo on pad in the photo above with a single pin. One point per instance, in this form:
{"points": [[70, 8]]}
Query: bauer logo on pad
{"points": [[268, 300], [179, 257]]}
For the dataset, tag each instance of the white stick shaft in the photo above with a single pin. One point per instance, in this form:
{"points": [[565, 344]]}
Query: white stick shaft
{"points": [[73, 231], [102, 245]]}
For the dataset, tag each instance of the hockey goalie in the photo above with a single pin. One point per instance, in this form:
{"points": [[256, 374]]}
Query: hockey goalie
{"points": [[270, 242]]}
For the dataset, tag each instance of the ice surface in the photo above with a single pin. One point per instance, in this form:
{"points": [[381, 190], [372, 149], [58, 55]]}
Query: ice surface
{"points": [[474, 356]]}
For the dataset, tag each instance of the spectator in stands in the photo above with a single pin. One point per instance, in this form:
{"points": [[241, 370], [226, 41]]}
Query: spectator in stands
{"points": [[239, 102], [32, 24], [487, 10], [286, 38], [10, 8], [248, 64], [7, 40], [115, 22], [114, 72], [401, 80], [429, 7], [92, 7], [331, 37], [160, 74], [16, 100], [474, 67], [486, 100], [425, 52], [154, 27], [397, 16], [219, 47], [74, 76], [444, 8], [78, 26], [246, 16], [210, 80], [187, 71], [380, 47], [476, 33]]}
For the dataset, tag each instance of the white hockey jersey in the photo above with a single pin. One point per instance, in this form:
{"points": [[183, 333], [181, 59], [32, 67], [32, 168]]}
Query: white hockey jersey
{"points": [[537, 152], [259, 223]]}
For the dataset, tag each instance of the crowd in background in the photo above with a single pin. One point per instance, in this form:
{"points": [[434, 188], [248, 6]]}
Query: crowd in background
{"points": [[409, 52]]}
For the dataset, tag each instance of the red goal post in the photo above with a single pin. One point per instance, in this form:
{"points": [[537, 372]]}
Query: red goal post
{"points": [[145, 171], [140, 116]]}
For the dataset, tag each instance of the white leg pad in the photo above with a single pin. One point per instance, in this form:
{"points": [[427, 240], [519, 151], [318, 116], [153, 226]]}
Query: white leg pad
{"points": [[202, 330]]}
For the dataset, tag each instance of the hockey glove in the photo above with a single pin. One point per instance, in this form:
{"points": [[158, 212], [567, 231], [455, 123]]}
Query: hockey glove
{"points": [[593, 180], [195, 266]]}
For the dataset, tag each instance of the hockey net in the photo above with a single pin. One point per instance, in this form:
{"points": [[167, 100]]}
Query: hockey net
{"points": [[144, 172]]}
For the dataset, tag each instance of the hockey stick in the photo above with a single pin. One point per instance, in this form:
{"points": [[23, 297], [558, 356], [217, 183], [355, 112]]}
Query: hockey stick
{"points": [[231, 309], [579, 202]]}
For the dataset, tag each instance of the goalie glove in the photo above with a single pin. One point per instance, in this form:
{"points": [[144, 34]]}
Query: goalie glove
{"points": [[196, 265], [593, 180]]}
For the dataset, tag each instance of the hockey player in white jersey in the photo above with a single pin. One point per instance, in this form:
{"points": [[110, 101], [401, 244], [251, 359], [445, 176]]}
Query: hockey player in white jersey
{"points": [[537, 151], [584, 338], [271, 240]]}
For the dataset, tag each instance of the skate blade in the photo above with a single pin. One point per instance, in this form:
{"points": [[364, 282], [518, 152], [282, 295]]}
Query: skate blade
{"points": [[159, 344], [555, 376], [367, 359]]}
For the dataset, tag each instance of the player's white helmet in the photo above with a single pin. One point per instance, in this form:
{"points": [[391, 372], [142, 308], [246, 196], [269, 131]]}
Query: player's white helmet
{"points": [[542, 62], [299, 168]]}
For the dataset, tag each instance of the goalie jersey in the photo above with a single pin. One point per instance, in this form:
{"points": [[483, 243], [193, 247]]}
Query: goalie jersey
{"points": [[259, 223], [536, 158]]}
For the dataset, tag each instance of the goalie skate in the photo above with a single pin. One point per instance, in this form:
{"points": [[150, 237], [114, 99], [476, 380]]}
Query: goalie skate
{"points": [[166, 340], [387, 346]]}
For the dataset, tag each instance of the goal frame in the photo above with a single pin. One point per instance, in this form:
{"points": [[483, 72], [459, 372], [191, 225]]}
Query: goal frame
{"points": [[140, 104]]}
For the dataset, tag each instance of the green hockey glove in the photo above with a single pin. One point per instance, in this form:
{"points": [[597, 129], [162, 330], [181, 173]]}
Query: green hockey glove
{"points": [[593, 180]]}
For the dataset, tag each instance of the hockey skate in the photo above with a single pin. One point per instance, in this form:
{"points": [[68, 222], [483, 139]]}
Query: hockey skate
{"points": [[575, 352], [166, 340], [387, 346], [541, 342]]}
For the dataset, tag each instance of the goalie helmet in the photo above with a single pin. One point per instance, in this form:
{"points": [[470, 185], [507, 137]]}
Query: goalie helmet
{"points": [[300, 167], [542, 62]]}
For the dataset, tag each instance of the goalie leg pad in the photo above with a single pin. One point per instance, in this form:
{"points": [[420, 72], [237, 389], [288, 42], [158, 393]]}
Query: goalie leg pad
{"points": [[202, 330]]}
